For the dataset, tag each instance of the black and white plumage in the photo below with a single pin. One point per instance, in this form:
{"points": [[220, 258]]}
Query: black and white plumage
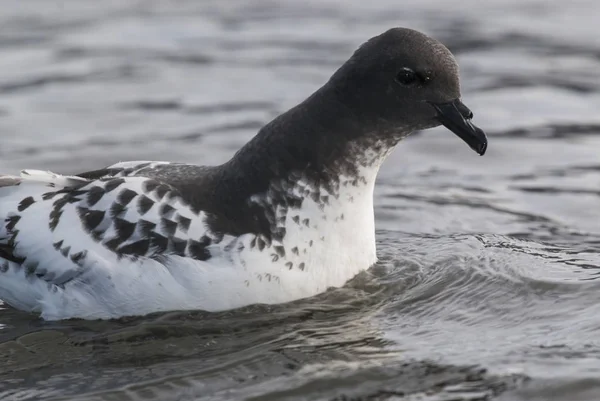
{"points": [[290, 215]]}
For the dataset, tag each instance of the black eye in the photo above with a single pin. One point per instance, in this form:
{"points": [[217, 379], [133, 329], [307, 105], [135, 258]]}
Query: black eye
{"points": [[406, 76]]}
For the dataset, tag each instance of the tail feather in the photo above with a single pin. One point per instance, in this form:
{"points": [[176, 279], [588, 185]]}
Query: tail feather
{"points": [[52, 179], [17, 193], [32, 179]]}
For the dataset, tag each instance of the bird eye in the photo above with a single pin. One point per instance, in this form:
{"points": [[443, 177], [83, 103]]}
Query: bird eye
{"points": [[406, 76]]}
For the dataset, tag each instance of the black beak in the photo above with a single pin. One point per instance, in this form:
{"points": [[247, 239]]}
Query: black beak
{"points": [[457, 118]]}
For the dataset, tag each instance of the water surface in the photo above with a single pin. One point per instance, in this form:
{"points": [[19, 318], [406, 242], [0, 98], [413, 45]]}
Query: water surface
{"points": [[486, 285]]}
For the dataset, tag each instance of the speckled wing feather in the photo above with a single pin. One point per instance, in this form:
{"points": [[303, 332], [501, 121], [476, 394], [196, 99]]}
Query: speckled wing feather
{"points": [[172, 173], [53, 231], [116, 246], [128, 169]]}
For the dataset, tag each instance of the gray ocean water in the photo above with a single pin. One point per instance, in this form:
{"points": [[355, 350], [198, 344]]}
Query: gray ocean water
{"points": [[486, 286]]}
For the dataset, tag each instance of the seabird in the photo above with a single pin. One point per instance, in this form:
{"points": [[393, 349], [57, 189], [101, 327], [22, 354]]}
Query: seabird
{"points": [[290, 215]]}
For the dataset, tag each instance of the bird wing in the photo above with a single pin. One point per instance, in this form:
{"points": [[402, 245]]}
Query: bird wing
{"points": [[56, 226]]}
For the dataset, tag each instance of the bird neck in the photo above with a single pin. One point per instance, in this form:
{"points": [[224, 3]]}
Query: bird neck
{"points": [[321, 138], [313, 150]]}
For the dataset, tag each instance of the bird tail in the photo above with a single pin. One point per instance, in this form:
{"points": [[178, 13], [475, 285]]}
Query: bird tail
{"points": [[17, 193]]}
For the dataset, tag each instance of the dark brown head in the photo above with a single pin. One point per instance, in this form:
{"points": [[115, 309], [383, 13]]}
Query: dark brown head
{"points": [[403, 80]]}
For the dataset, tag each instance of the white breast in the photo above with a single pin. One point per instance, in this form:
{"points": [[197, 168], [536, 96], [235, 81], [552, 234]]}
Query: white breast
{"points": [[327, 241]]}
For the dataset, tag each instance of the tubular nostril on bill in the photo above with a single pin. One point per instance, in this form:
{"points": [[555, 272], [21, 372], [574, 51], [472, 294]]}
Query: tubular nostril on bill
{"points": [[464, 110]]}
